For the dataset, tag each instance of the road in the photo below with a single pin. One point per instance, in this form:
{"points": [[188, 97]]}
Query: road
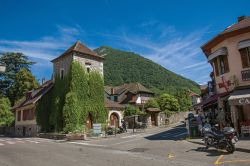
{"points": [[159, 146]]}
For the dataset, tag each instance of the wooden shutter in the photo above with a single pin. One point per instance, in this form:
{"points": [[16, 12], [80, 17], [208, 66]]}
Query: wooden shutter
{"points": [[225, 59], [216, 67], [244, 59]]}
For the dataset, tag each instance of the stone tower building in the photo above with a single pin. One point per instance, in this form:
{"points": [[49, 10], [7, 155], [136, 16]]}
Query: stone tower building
{"points": [[78, 52]]}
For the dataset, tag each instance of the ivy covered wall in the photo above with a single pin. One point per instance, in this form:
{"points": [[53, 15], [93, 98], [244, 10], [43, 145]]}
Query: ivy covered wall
{"points": [[67, 105]]}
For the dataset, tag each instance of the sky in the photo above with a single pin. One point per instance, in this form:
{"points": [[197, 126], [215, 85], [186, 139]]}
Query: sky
{"points": [[169, 33]]}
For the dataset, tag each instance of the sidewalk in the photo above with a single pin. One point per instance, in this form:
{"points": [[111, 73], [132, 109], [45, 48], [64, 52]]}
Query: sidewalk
{"points": [[136, 131]]}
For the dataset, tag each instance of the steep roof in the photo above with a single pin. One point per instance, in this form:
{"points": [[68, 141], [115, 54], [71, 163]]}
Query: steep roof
{"points": [[34, 95], [242, 26], [131, 87], [80, 48]]}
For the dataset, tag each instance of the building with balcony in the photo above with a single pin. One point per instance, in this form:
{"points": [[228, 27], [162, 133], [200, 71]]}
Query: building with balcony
{"points": [[229, 55]]}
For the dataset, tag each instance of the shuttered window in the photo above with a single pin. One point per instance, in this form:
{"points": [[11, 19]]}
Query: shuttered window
{"points": [[221, 65], [245, 53]]}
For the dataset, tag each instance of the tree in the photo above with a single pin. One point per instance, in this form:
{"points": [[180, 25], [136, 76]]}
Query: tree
{"points": [[184, 100], [168, 103], [6, 116], [131, 110], [152, 103], [14, 62], [24, 81]]}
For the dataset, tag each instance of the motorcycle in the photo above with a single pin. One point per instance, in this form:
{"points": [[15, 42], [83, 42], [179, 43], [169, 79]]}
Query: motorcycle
{"points": [[220, 140]]}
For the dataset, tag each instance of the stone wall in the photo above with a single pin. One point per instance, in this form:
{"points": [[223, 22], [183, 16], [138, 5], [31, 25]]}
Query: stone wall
{"points": [[178, 117], [26, 130], [95, 63], [62, 63]]}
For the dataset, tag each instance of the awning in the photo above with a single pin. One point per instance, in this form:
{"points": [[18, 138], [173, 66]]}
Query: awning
{"points": [[212, 100], [221, 51], [244, 44], [240, 96]]}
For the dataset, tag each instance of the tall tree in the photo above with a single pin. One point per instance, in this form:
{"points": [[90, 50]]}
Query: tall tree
{"points": [[6, 116], [14, 62], [24, 81]]}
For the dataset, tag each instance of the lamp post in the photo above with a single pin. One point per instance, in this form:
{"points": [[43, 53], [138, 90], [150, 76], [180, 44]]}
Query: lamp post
{"points": [[2, 67]]}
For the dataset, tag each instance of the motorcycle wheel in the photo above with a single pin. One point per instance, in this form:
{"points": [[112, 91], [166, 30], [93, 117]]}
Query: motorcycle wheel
{"points": [[230, 147]]}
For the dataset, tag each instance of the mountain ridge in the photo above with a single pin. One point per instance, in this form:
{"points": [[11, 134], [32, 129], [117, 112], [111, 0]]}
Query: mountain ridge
{"points": [[124, 67]]}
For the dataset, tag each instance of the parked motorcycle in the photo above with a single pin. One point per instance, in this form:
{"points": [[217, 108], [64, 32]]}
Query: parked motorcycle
{"points": [[220, 140]]}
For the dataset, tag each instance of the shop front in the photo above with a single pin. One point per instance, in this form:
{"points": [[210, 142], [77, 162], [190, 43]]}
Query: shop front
{"points": [[239, 101]]}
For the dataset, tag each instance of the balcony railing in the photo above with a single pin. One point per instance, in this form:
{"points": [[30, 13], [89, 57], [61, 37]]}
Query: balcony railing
{"points": [[245, 75]]}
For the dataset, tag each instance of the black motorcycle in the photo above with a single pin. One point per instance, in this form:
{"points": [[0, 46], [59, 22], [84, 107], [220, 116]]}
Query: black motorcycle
{"points": [[220, 140]]}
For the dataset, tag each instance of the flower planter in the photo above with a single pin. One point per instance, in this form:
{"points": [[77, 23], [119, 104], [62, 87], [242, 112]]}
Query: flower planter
{"points": [[76, 137]]}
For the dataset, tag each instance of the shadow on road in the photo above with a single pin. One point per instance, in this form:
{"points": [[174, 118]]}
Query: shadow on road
{"points": [[176, 133]]}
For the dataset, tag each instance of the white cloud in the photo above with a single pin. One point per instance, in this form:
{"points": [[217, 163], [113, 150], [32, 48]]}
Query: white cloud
{"points": [[45, 48], [171, 49]]}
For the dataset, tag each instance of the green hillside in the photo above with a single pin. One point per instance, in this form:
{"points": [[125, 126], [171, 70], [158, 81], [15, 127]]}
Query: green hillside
{"points": [[125, 67]]}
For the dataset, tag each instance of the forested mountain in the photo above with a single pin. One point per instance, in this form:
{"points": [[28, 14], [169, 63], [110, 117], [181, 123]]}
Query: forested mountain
{"points": [[125, 67]]}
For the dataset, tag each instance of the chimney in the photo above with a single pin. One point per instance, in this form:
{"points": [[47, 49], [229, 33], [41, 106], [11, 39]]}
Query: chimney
{"points": [[112, 91], [43, 80], [240, 18]]}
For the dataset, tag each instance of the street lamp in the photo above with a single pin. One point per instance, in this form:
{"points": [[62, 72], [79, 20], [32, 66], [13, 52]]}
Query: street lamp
{"points": [[2, 67]]}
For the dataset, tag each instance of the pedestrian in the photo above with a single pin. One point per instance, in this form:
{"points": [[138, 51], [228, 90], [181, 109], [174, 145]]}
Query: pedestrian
{"points": [[124, 126]]}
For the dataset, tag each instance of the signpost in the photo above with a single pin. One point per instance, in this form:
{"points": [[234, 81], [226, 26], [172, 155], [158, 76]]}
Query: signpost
{"points": [[97, 128]]}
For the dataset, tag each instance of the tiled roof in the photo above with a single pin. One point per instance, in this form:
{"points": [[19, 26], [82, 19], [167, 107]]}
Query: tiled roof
{"points": [[81, 48], [35, 95], [112, 104], [153, 110], [239, 25], [131, 87], [238, 28]]}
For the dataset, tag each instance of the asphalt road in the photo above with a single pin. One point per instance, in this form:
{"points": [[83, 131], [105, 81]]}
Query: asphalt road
{"points": [[153, 147]]}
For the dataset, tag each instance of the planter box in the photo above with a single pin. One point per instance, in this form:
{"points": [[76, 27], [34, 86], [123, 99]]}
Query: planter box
{"points": [[76, 137]]}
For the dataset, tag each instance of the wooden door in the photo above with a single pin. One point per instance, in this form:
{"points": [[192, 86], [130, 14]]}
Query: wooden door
{"points": [[114, 120], [89, 122], [153, 119]]}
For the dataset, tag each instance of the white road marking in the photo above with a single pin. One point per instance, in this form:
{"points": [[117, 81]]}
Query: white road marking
{"points": [[32, 141], [10, 142], [130, 136], [87, 144], [19, 139], [1, 144]]}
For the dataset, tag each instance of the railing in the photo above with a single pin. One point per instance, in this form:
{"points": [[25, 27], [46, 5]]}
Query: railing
{"points": [[245, 75]]}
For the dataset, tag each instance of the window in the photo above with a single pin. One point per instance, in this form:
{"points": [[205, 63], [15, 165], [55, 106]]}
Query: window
{"points": [[61, 74], [221, 65], [28, 114], [19, 116], [245, 57]]}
